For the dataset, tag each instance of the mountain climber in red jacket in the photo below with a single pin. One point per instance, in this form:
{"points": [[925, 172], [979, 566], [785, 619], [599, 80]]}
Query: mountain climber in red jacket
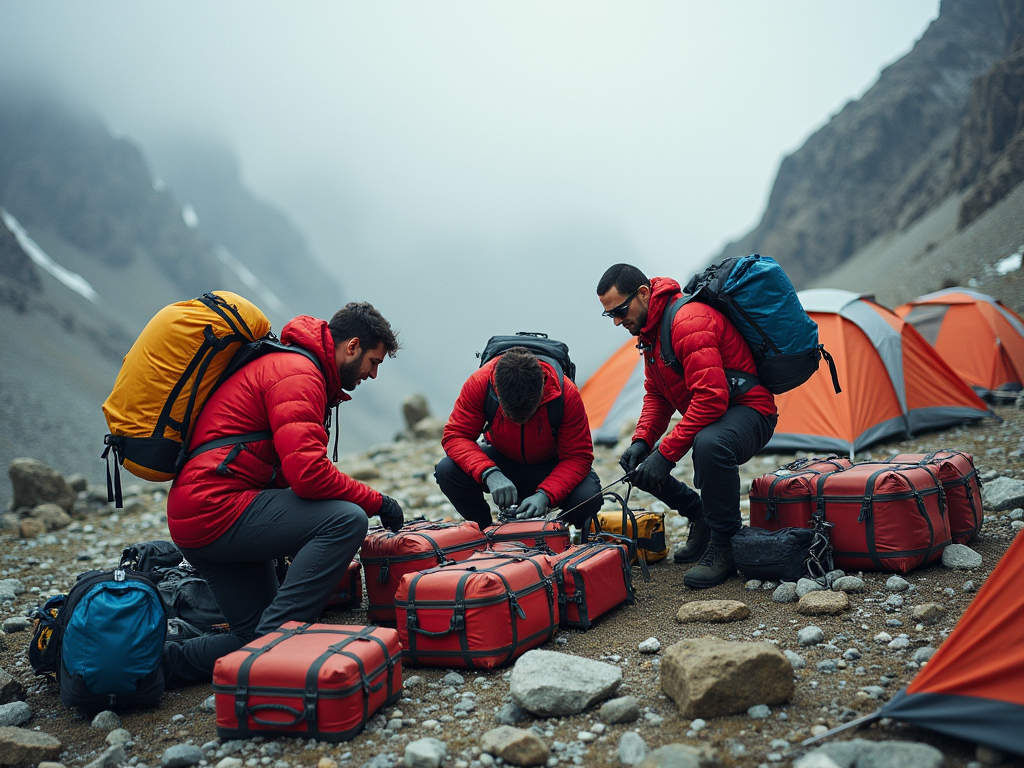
{"points": [[722, 421], [235, 509], [525, 460]]}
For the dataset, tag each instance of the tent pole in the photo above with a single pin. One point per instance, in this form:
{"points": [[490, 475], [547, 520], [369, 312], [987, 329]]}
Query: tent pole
{"points": [[858, 723]]}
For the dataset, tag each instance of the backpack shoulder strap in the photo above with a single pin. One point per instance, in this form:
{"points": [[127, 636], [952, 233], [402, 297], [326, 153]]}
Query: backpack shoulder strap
{"points": [[668, 355]]}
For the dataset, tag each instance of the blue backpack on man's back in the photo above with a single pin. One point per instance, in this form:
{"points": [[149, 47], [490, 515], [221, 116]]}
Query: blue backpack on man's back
{"points": [[758, 298], [105, 642]]}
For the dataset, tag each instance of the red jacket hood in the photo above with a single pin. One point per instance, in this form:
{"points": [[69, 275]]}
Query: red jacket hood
{"points": [[662, 291], [314, 336]]}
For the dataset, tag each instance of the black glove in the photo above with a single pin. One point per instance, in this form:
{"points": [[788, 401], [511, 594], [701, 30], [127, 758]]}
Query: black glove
{"points": [[534, 506], [502, 490], [633, 455], [653, 472], [391, 515]]}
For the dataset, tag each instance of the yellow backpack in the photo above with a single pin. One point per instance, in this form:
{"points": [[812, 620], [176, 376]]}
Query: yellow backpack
{"points": [[180, 357]]}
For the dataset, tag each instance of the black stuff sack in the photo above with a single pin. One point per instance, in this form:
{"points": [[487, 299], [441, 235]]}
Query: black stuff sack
{"points": [[773, 555]]}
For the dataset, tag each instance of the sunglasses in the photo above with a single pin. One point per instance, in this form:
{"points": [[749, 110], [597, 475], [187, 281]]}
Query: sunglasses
{"points": [[623, 308]]}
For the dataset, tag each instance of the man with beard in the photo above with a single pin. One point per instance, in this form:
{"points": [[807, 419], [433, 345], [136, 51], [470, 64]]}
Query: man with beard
{"points": [[723, 423], [234, 509]]}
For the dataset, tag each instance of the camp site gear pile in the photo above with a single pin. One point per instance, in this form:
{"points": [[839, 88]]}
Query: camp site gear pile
{"points": [[111, 632], [962, 486], [349, 592], [538, 533], [477, 614], [886, 516], [785, 498], [592, 579], [167, 376], [315, 681], [388, 556]]}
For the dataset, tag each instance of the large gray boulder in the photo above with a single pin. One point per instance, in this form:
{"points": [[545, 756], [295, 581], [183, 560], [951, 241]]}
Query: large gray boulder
{"points": [[34, 483], [1002, 493], [11, 688], [414, 409], [552, 684], [876, 754], [709, 677], [21, 746]]}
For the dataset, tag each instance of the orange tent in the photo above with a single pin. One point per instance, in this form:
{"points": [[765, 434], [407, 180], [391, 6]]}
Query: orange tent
{"points": [[980, 338], [894, 384], [973, 686], [614, 393]]}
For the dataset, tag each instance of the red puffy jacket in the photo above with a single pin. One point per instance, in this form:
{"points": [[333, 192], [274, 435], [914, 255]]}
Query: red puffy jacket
{"points": [[706, 343], [531, 443], [288, 395]]}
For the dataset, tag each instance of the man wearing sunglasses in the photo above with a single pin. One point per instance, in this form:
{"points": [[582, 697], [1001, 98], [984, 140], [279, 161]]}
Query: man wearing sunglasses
{"points": [[723, 425]]}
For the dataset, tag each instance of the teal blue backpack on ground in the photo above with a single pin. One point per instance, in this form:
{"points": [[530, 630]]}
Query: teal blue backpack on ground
{"points": [[758, 298], [111, 631]]}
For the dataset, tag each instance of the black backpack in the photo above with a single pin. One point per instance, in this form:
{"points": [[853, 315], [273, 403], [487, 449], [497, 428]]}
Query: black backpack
{"points": [[555, 353]]}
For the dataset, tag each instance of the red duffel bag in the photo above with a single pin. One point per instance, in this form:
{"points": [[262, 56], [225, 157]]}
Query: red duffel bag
{"points": [[962, 485], [349, 592], [480, 613], [886, 517], [320, 681], [785, 498], [550, 535], [388, 556], [592, 579]]}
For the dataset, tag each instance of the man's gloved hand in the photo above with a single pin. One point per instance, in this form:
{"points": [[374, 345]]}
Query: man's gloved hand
{"points": [[653, 472], [391, 515], [533, 506], [503, 491], [633, 455]]}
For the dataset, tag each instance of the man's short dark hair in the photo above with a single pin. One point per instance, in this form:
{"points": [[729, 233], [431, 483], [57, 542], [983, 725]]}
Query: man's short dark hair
{"points": [[359, 320], [625, 278], [519, 381]]}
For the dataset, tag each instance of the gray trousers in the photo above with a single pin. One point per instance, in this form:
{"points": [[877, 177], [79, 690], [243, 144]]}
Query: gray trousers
{"points": [[321, 537]]}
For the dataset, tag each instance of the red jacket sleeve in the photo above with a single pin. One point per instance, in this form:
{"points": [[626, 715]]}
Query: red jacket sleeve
{"points": [[295, 408], [465, 426], [575, 447], [696, 340]]}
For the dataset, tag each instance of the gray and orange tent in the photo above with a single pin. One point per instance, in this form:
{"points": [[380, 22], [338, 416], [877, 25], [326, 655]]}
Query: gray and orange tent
{"points": [[614, 393], [980, 337], [973, 686], [895, 385]]}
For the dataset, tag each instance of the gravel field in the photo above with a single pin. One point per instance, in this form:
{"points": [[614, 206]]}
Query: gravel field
{"points": [[49, 563]]}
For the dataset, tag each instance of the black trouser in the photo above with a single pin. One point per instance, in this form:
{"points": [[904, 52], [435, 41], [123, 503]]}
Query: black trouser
{"points": [[718, 451], [467, 495], [320, 536]]}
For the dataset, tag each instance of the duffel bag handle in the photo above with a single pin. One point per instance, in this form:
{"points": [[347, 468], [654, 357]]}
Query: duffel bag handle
{"points": [[458, 623], [295, 713], [627, 518]]}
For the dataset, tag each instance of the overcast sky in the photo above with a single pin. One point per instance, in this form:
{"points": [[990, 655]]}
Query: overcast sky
{"points": [[433, 152]]}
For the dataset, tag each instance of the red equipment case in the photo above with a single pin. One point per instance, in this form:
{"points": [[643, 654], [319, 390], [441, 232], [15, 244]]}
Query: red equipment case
{"points": [[387, 557], [550, 535], [320, 681], [592, 579], [349, 592], [962, 485], [480, 613], [785, 498]]}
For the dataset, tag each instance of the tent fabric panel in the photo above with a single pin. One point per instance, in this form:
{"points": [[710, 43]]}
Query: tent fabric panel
{"points": [[894, 427], [783, 442], [604, 387], [1009, 333], [826, 300], [934, 382], [942, 416], [985, 721], [927, 319], [627, 406], [967, 341], [887, 340]]}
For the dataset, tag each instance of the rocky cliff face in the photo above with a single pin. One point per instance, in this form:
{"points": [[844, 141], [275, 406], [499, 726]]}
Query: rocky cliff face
{"points": [[886, 159], [18, 278]]}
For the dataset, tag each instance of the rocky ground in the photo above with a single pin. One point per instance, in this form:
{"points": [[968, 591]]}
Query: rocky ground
{"points": [[867, 652]]}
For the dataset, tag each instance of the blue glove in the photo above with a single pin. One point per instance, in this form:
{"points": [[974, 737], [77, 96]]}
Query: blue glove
{"points": [[633, 455], [653, 472], [534, 506], [503, 491]]}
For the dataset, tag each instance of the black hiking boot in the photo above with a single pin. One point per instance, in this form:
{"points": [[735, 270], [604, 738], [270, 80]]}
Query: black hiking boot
{"points": [[697, 540], [714, 568]]}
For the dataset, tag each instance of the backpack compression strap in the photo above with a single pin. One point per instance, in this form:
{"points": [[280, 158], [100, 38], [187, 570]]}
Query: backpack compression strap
{"points": [[740, 382], [556, 407]]}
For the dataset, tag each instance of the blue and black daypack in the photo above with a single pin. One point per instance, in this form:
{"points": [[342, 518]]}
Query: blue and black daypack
{"points": [[104, 641], [758, 298], [555, 353]]}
